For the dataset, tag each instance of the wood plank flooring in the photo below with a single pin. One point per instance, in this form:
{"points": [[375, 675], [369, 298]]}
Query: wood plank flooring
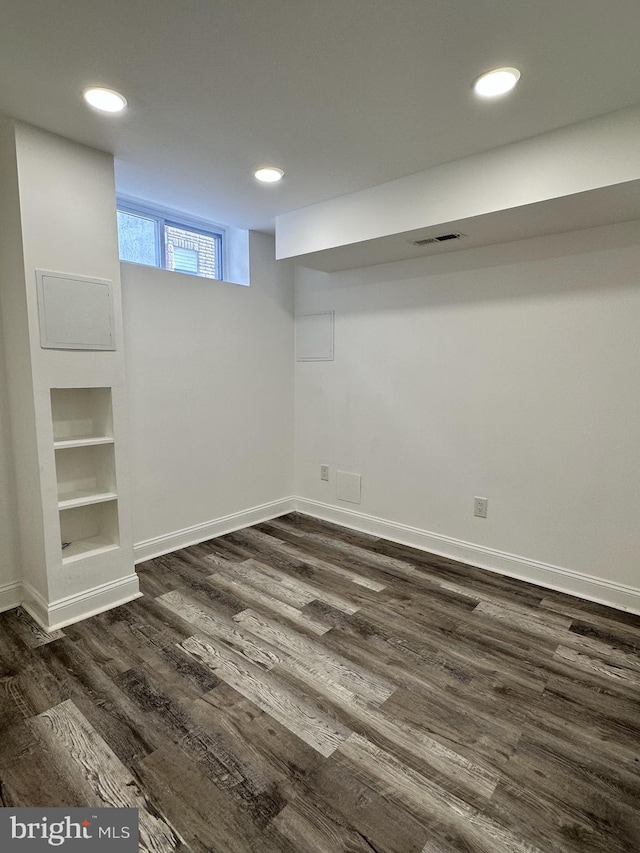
{"points": [[296, 687]]}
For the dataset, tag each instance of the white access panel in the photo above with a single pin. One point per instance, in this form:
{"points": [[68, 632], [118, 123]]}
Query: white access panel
{"points": [[75, 312], [348, 487], [314, 337]]}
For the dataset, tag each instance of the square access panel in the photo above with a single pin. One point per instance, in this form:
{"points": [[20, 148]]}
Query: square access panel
{"points": [[314, 337], [348, 487], [75, 312]]}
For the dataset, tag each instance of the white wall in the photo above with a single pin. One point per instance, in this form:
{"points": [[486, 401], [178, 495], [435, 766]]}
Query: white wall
{"points": [[9, 561], [19, 502], [210, 376], [509, 372]]}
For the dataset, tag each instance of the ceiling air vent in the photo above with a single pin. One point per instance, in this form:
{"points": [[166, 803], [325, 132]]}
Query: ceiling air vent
{"points": [[441, 238]]}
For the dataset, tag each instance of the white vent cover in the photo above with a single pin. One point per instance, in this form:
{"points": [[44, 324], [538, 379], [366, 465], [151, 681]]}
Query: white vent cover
{"points": [[441, 238]]}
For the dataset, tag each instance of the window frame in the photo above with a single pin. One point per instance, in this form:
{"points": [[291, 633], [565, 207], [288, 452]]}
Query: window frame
{"points": [[173, 218]]}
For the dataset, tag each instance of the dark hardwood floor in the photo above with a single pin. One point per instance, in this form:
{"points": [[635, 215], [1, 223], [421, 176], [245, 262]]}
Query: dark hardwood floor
{"points": [[300, 688]]}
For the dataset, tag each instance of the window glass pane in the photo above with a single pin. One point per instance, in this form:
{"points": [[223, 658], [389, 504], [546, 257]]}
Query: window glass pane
{"points": [[192, 251], [137, 238]]}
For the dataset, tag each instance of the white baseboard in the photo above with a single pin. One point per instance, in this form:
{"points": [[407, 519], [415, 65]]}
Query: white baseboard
{"points": [[73, 608], [10, 595], [210, 529], [542, 574]]}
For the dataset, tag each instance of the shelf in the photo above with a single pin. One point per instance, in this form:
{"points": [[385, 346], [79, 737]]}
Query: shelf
{"points": [[91, 528], [84, 497], [79, 413], [83, 441], [90, 547], [85, 472]]}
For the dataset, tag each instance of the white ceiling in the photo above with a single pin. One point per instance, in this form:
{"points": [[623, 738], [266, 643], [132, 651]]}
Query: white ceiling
{"points": [[342, 94]]}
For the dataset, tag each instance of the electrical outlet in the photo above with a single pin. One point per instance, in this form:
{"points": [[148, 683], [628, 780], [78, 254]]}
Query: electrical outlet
{"points": [[324, 472], [480, 507]]}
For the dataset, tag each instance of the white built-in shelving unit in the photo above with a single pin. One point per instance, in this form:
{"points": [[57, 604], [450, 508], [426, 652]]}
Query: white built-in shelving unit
{"points": [[62, 330], [85, 471]]}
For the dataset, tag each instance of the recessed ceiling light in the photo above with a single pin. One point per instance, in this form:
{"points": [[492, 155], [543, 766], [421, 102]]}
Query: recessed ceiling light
{"points": [[105, 100], [268, 174], [497, 82]]}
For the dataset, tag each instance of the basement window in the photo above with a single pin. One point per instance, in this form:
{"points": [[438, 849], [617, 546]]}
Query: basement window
{"points": [[170, 241]]}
